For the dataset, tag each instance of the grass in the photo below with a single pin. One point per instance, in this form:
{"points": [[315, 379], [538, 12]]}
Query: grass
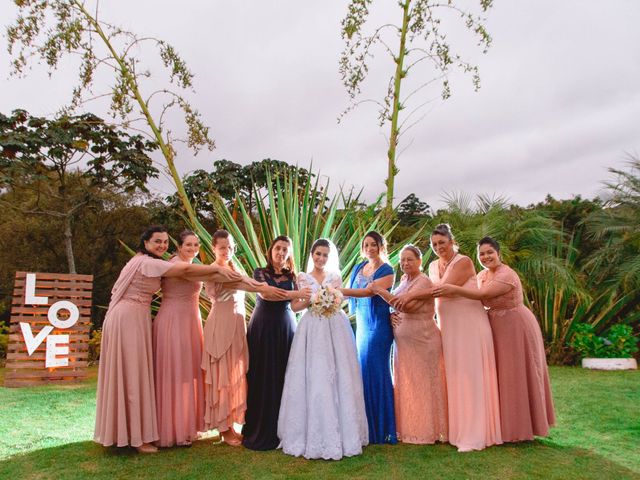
{"points": [[45, 432]]}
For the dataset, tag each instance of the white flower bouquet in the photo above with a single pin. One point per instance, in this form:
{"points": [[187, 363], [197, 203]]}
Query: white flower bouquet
{"points": [[326, 301]]}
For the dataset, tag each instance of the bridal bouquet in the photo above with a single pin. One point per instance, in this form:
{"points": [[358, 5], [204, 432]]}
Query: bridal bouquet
{"points": [[326, 302]]}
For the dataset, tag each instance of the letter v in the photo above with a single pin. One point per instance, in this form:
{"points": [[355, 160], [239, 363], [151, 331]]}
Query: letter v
{"points": [[31, 341]]}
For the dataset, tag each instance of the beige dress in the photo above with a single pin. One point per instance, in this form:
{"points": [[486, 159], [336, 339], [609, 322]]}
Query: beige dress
{"points": [[126, 402], [526, 404], [419, 389], [470, 367], [225, 359]]}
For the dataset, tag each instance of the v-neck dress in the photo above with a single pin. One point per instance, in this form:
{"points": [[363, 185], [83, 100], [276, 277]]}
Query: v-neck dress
{"points": [[470, 367]]}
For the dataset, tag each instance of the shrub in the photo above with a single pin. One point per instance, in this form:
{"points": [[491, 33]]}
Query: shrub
{"points": [[620, 342], [4, 342], [94, 346]]}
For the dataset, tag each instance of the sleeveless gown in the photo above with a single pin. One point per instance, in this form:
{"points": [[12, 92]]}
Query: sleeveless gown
{"points": [[177, 346], [526, 404], [322, 413], [374, 337], [419, 388], [269, 336], [470, 367]]}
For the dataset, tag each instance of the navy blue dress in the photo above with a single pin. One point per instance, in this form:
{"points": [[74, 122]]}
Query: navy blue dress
{"points": [[374, 337], [269, 336]]}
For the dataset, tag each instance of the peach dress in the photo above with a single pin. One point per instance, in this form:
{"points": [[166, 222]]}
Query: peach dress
{"points": [[177, 346], [526, 404], [470, 367], [225, 359], [126, 402], [419, 389]]}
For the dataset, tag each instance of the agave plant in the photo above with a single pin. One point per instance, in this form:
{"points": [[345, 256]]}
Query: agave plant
{"points": [[304, 213]]}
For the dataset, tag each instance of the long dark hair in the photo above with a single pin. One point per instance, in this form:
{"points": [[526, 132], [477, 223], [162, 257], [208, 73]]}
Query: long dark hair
{"points": [[146, 236], [380, 241], [219, 234], [290, 265]]}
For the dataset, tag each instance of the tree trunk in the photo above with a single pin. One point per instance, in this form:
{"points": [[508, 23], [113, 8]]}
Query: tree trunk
{"points": [[392, 170], [68, 243]]}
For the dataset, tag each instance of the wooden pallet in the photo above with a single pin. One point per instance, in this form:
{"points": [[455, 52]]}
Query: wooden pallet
{"points": [[24, 370]]}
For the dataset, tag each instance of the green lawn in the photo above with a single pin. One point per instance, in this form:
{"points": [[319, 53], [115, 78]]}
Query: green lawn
{"points": [[45, 432]]}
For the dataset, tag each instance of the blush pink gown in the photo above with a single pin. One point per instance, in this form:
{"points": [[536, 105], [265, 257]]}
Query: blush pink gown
{"points": [[177, 346], [526, 405], [126, 402], [470, 367], [225, 359], [419, 389]]}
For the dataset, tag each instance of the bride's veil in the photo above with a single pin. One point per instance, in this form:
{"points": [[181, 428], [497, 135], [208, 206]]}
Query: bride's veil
{"points": [[333, 263]]}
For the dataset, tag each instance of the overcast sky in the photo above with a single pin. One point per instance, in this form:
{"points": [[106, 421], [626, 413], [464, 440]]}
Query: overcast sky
{"points": [[559, 103]]}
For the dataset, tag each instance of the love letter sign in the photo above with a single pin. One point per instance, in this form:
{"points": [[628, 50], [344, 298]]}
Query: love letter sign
{"points": [[49, 333]]}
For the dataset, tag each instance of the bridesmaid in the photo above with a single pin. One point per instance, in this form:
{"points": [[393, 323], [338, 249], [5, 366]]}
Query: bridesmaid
{"points": [[526, 405], [269, 337], [467, 344], [226, 357], [374, 336], [126, 403], [420, 392], [177, 347]]}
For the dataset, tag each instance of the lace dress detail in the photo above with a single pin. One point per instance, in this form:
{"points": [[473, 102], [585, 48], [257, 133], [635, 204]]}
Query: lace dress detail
{"points": [[269, 336], [420, 392], [322, 414]]}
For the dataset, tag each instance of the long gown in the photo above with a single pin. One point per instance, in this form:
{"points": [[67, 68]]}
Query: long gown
{"points": [[470, 367], [177, 346], [322, 414], [269, 336], [126, 402], [420, 391], [226, 356], [526, 404], [374, 337]]}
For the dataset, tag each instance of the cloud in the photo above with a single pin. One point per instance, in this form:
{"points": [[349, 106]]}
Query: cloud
{"points": [[559, 101]]}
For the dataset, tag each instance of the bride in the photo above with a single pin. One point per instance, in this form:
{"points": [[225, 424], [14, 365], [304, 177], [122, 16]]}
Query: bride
{"points": [[322, 412]]}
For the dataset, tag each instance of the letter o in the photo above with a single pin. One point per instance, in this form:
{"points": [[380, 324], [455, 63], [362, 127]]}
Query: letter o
{"points": [[74, 314]]}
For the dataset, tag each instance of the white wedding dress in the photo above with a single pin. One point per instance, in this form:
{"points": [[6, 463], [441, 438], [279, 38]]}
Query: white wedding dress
{"points": [[322, 413]]}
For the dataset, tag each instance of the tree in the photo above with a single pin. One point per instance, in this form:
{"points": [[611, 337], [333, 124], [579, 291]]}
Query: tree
{"points": [[617, 262], [50, 29], [412, 209], [55, 168], [33, 243], [419, 40], [228, 179]]}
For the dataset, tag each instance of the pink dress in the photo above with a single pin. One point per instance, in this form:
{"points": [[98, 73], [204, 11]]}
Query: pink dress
{"points": [[419, 389], [526, 405], [177, 346], [470, 367], [225, 360], [126, 402]]}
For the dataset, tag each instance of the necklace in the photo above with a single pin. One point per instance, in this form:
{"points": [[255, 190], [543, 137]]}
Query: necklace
{"points": [[373, 268], [442, 269]]}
